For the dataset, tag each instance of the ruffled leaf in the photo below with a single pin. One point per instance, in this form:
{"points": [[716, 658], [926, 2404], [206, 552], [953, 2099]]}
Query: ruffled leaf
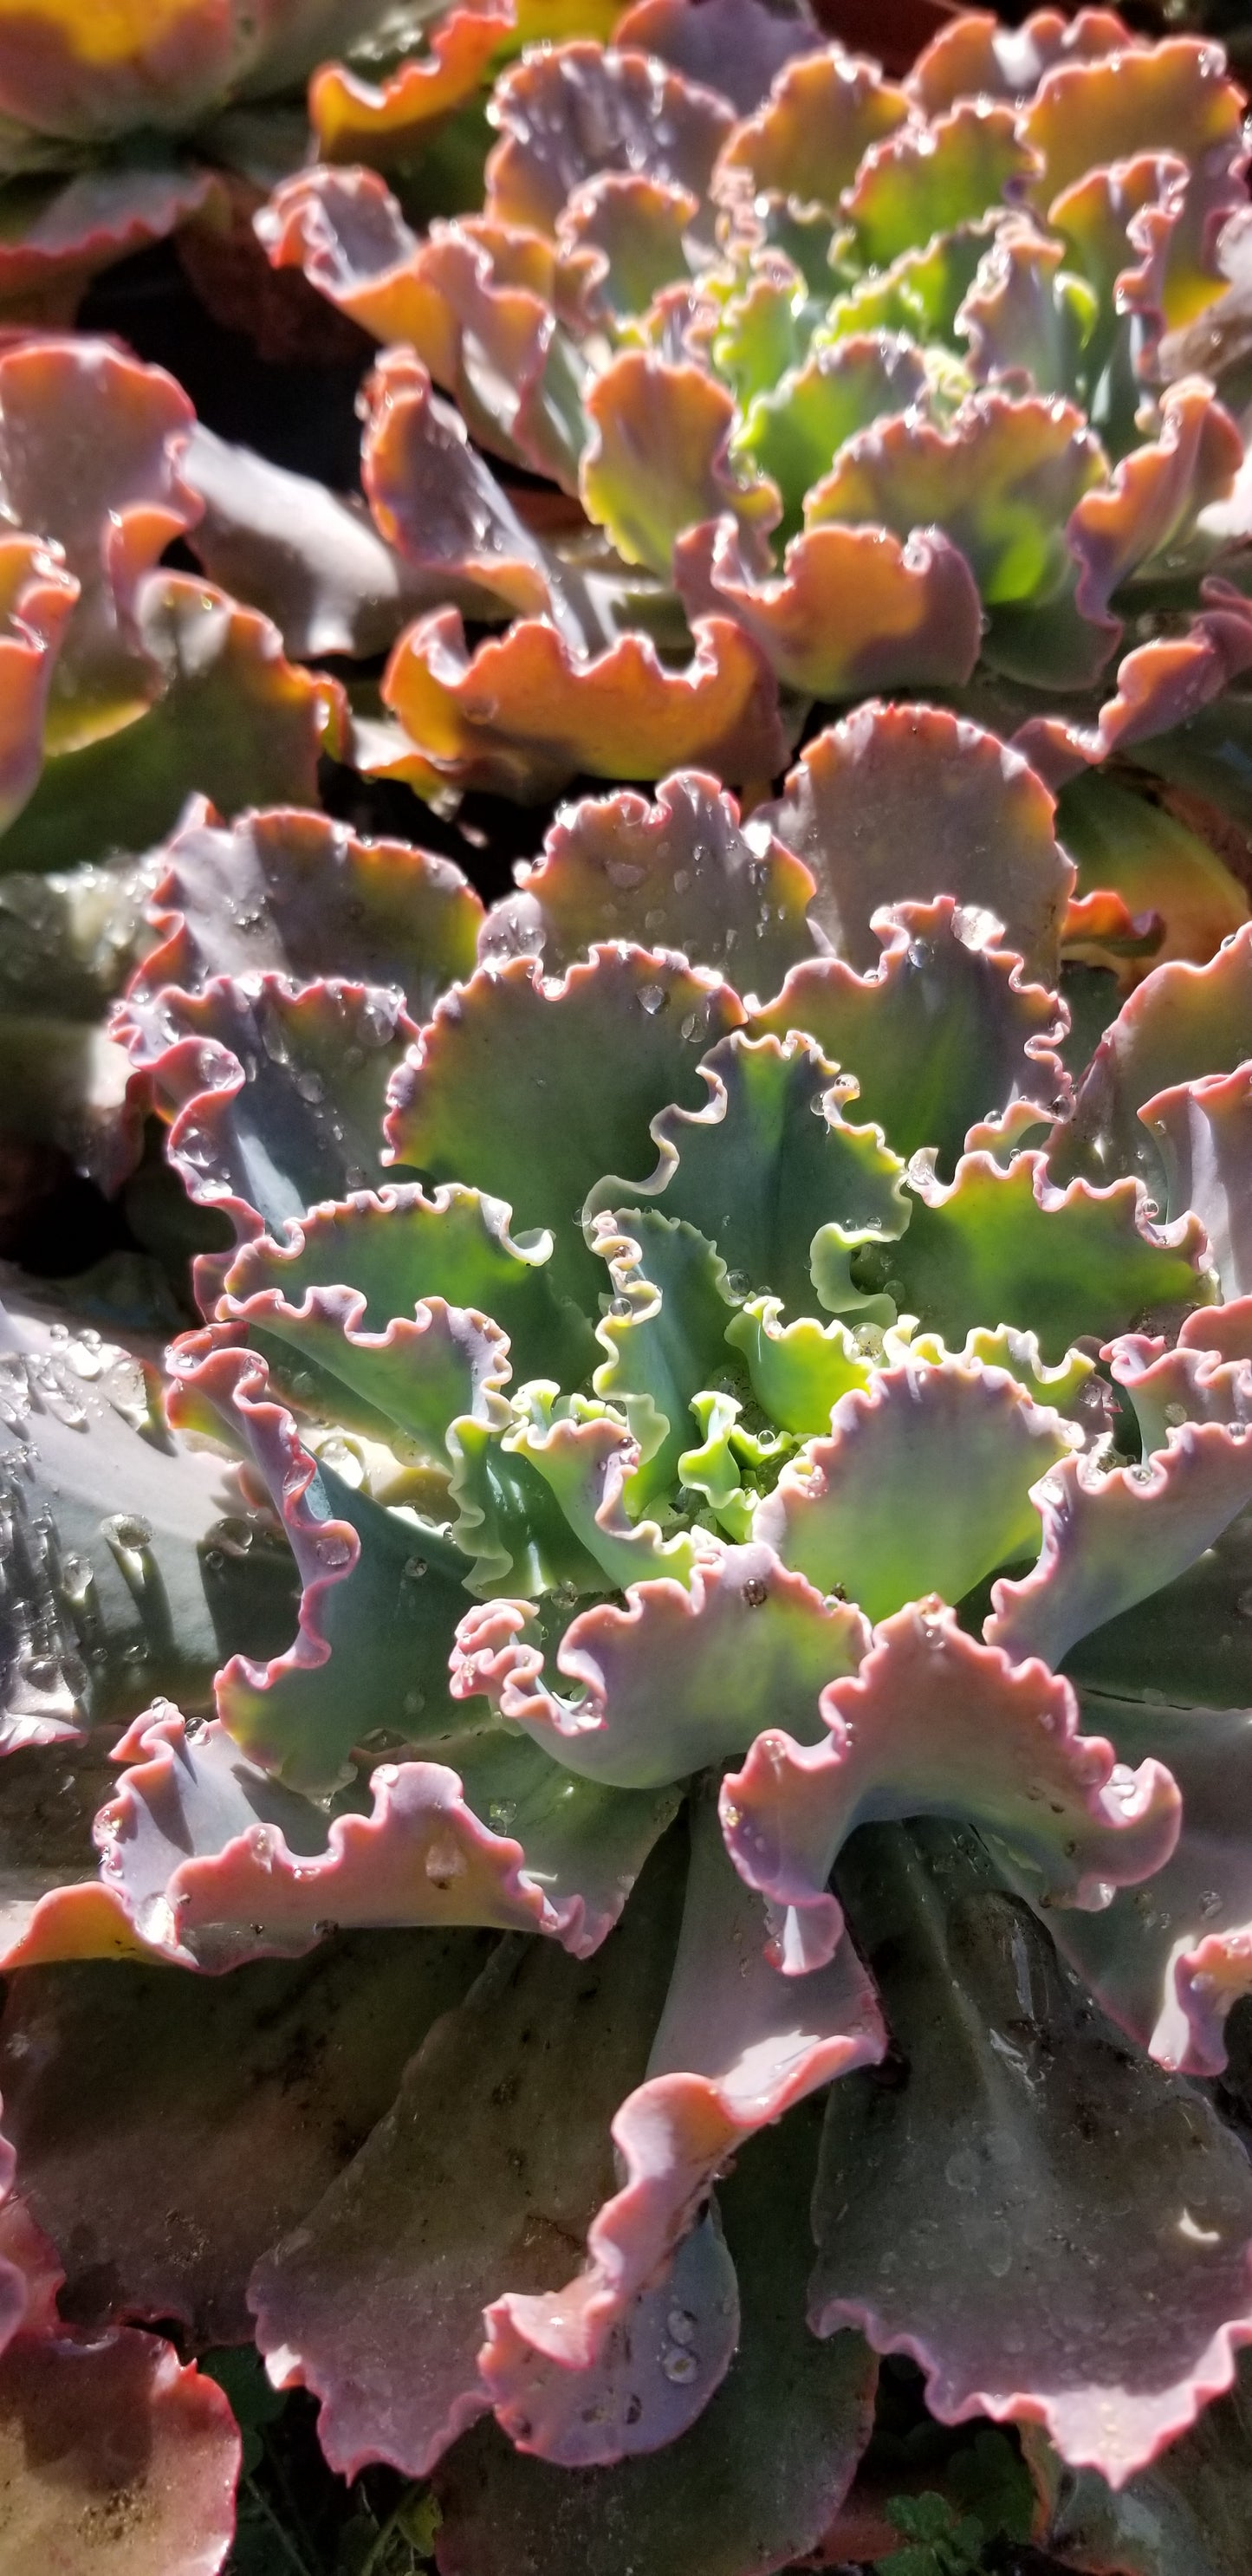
{"points": [[1204, 1136], [1027, 2134], [632, 229], [290, 892], [1111, 1539], [808, 140], [682, 872], [658, 461], [759, 1167], [225, 2106], [665, 1335], [1154, 863], [480, 2180], [973, 55], [471, 1104], [1183, 1022], [853, 610], [910, 802], [792, 430], [737, 47], [924, 1485], [677, 1680], [927, 179], [1060, 1263], [397, 1246], [435, 500], [524, 715], [943, 1032], [274, 1090], [37, 598], [232, 720], [731, 2054], [358, 120], [575, 110], [1012, 1761]]}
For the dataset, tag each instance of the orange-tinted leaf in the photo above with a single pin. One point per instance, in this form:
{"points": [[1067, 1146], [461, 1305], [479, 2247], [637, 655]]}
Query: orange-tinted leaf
{"points": [[658, 461], [974, 56], [854, 611], [354, 120], [927, 179], [523, 715], [821, 117], [36, 597]]}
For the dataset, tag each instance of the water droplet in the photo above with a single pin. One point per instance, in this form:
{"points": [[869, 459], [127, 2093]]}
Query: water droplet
{"points": [[651, 999], [334, 1549], [681, 2325], [755, 1592], [682, 2367]]}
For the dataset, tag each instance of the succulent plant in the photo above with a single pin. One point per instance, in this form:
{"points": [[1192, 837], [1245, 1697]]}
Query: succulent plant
{"points": [[624, 1768]]}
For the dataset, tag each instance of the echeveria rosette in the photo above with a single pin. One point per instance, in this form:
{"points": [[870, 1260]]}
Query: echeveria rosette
{"points": [[734, 1421], [869, 388]]}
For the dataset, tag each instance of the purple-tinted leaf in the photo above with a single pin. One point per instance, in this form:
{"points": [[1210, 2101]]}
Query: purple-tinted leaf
{"points": [[808, 139], [1204, 1137], [682, 872], [1029, 2147], [903, 803], [290, 892], [482, 2179], [579, 2377], [934, 1724], [735, 46], [973, 56], [573, 110], [1182, 1023], [223, 2108], [675, 1681]]}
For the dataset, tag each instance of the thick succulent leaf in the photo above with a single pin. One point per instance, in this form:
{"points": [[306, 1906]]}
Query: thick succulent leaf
{"points": [[357, 120], [658, 461], [1149, 510], [471, 1103], [483, 2178], [1167, 1965], [523, 715], [664, 1333], [311, 560], [904, 803], [1005, 1241], [808, 140], [587, 1458], [792, 430], [1203, 1132], [678, 1679], [758, 1169], [91, 454], [798, 1371], [214, 1863], [762, 2472], [1160, 685], [1030, 2145], [77, 75], [1182, 1023], [1154, 863], [37, 597], [113, 2456], [682, 872], [105, 1594], [1001, 480], [574, 110], [927, 179], [923, 1485], [223, 2109], [735, 46], [920, 294], [60, 232], [1206, 1377], [732, 2053], [934, 1724], [232, 721], [942, 1032], [853, 610], [1171, 97], [435, 500], [291, 892], [1026, 317], [488, 337], [631, 231], [397, 1245], [973, 55], [380, 1592], [274, 1090], [407, 1386], [1186, 2515], [1112, 1539]]}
